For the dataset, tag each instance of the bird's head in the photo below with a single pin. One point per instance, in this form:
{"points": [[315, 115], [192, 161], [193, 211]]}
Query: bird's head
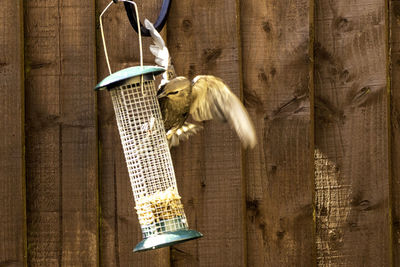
{"points": [[178, 88]]}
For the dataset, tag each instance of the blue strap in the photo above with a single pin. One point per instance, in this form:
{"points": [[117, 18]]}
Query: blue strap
{"points": [[160, 22]]}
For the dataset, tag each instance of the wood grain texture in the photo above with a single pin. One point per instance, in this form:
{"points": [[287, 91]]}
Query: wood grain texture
{"points": [[276, 65], [395, 127], [203, 39], [61, 133], [12, 189], [351, 156], [120, 229], [254, 207]]}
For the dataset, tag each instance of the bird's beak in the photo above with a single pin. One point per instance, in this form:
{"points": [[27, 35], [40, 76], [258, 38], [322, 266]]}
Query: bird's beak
{"points": [[161, 92]]}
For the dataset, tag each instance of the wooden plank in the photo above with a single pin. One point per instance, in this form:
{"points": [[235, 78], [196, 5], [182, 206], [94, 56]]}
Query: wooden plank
{"points": [[12, 172], [351, 156], [61, 133], [120, 229], [277, 78], [395, 127], [203, 37]]}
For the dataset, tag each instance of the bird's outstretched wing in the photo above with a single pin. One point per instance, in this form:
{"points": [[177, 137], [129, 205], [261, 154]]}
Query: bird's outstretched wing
{"points": [[160, 51], [213, 99]]}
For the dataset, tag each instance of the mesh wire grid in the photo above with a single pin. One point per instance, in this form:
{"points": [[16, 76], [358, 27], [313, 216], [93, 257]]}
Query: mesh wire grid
{"points": [[148, 158]]}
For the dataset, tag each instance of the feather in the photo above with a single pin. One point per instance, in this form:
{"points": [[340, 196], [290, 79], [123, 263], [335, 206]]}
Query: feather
{"points": [[161, 53], [183, 133], [213, 99], [206, 98]]}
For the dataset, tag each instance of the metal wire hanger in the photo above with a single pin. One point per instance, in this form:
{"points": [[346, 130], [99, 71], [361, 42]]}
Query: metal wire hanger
{"points": [[128, 2]]}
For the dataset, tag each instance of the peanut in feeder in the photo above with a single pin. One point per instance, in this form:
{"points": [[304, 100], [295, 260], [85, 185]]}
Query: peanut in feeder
{"points": [[158, 205]]}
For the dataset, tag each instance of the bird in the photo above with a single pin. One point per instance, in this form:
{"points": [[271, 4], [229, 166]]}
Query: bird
{"points": [[204, 98]]}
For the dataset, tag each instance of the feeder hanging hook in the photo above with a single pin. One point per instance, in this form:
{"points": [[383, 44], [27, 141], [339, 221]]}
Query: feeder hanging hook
{"points": [[160, 22]]}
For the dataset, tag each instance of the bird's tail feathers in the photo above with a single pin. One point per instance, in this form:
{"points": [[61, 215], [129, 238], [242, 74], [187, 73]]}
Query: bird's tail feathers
{"points": [[183, 133]]}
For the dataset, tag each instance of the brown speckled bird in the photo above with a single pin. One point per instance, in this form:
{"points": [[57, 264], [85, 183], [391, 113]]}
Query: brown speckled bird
{"points": [[204, 98]]}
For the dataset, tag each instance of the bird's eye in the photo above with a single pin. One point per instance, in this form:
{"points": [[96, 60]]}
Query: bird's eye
{"points": [[173, 93]]}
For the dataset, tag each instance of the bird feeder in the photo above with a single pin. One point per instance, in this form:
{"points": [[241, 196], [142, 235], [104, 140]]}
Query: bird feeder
{"points": [[158, 204]]}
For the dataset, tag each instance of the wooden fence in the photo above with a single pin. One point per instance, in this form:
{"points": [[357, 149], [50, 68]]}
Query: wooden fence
{"points": [[320, 78]]}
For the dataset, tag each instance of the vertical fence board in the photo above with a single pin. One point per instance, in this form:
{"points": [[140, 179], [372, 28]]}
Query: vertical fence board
{"points": [[120, 229], [203, 39], [78, 133], [276, 67], [12, 199], [42, 134], [395, 126], [351, 156], [61, 133]]}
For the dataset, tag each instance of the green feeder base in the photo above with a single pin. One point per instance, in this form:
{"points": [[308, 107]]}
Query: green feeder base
{"points": [[166, 239]]}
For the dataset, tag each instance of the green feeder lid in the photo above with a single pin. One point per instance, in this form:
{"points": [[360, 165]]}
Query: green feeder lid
{"points": [[120, 76], [167, 239]]}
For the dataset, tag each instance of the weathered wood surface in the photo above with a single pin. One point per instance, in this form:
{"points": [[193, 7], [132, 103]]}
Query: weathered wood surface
{"points": [[120, 229], [395, 127], [255, 208], [12, 189], [203, 38], [61, 133], [276, 70], [351, 128]]}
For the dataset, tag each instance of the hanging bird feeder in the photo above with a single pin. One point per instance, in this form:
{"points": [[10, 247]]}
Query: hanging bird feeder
{"points": [[151, 172]]}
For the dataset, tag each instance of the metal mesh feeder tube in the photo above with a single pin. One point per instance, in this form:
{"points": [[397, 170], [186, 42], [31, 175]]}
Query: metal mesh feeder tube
{"points": [[151, 172]]}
